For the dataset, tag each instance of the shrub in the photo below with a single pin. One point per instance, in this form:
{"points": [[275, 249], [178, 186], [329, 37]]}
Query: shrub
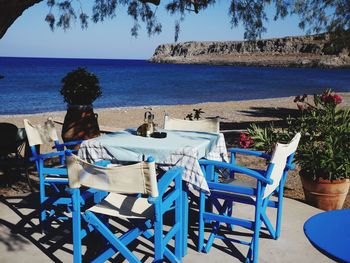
{"points": [[324, 149], [80, 87]]}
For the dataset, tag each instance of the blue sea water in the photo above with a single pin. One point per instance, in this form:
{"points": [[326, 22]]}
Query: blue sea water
{"points": [[31, 85]]}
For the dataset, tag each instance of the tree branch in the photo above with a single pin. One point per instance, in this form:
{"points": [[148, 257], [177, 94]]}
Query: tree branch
{"points": [[10, 10], [155, 2]]}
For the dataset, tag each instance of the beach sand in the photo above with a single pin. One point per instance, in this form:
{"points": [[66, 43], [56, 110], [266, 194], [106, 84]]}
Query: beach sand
{"points": [[235, 117]]}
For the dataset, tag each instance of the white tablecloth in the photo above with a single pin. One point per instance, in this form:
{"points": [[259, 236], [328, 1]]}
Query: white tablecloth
{"points": [[176, 149]]}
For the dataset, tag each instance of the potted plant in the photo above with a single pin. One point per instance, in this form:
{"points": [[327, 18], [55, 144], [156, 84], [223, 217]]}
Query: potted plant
{"points": [[323, 154], [80, 89]]}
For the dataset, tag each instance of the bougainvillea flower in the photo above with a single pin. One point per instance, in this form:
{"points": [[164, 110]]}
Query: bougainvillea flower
{"points": [[337, 99]]}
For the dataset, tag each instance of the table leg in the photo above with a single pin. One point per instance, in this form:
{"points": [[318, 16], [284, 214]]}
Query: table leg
{"points": [[185, 217]]}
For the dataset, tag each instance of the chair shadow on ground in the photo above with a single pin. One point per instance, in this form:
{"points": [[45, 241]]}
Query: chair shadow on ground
{"points": [[27, 231], [232, 130], [58, 239], [232, 249], [270, 112]]}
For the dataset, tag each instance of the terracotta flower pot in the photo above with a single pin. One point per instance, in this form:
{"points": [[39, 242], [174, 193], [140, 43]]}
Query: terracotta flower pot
{"points": [[325, 194], [80, 123]]}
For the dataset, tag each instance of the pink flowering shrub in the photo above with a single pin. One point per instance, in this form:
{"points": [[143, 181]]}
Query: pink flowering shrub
{"points": [[245, 141], [324, 148], [328, 99]]}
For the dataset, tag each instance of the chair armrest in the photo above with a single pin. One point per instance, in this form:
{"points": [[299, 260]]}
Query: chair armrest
{"points": [[165, 182], [239, 169], [250, 152], [60, 145], [46, 155]]}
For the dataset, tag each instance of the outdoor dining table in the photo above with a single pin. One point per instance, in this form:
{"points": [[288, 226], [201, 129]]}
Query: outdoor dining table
{"points": [[179, 148], [329, 232]]}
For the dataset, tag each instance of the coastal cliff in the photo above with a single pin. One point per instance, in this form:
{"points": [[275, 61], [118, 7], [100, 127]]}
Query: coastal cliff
{"points": [[302, 51]]}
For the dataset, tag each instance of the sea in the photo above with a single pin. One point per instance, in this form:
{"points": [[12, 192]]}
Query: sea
{"points": [[32, 85]]}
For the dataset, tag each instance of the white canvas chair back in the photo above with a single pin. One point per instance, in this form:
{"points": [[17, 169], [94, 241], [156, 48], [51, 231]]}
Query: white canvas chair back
{"points": [[40, 134], [279, 159], [129, 179], [207, 125]]}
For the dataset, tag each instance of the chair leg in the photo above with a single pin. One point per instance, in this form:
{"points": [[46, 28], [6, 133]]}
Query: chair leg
{"points": [[42, 200], [201, 222], [76, 221], [255, 241], [181, 216], [42, 195], [211, 238], [184, 210], [158, 237], [265, 219], [279, 214], [229, 213]]}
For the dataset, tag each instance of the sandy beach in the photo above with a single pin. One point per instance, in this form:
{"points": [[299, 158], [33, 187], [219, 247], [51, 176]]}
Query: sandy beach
{"points": [[235, 116]]}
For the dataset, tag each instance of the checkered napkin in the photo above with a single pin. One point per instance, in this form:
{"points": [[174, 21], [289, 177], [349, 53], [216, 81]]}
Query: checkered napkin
{"points": [[93, 151], [219, 153]]}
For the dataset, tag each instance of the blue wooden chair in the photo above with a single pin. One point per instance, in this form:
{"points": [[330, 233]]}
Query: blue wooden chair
{"points": [[206, 125], [256, 192], [52, 179], [144, 210]]}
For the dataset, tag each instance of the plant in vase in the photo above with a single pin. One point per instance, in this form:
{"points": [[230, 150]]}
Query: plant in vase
{"points": [[323, 154], [80, 89]]}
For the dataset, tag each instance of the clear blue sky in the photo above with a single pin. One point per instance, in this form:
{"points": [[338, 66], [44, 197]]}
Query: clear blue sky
{"points": [[30, 35]]}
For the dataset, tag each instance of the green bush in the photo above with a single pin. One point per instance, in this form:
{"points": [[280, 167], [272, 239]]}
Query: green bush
{"points": [[324, 148], [80, 87]]}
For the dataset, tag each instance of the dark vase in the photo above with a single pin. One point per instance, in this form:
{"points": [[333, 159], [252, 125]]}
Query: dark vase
{"points": [[80, 123]]}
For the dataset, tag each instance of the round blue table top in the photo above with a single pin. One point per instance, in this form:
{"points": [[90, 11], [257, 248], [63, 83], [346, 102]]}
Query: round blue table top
{"points": [[329, 232]]}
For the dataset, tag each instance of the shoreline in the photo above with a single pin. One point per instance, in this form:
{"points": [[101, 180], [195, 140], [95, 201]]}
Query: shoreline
{"points": [[345, 95], [232, 113]]}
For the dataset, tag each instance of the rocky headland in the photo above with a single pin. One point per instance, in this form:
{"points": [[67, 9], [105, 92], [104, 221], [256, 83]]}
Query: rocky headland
{"points": [[301, 51]]}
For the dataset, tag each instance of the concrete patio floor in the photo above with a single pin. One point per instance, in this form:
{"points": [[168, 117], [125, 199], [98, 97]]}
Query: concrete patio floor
{"points": [[21, 241]]}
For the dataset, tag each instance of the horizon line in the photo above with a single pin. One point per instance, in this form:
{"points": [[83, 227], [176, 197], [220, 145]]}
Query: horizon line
{"points": [[92, 58]]}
